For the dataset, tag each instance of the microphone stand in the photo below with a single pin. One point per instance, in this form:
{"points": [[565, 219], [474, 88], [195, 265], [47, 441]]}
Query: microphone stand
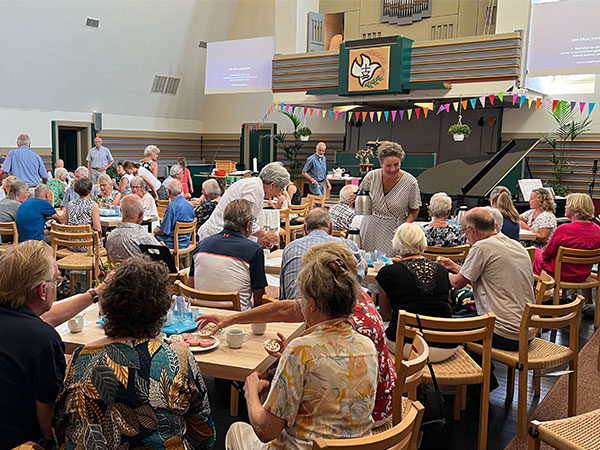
{"points": [[593, 183]]}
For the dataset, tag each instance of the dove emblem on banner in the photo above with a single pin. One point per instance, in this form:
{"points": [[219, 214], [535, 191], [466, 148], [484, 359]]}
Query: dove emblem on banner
{"points": [[364, 71]]}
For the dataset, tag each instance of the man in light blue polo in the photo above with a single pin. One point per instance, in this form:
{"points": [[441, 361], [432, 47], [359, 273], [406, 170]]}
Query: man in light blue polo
{"points": [[315, 170], [25, 164], [98, 159], [179, 210]]}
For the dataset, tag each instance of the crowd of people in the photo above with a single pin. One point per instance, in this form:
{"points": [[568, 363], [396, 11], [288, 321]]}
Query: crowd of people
{"points": [[132, 388]]}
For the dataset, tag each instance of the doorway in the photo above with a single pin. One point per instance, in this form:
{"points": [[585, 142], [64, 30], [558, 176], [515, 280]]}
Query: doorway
{"points": [[71, 142], [258, 142]]}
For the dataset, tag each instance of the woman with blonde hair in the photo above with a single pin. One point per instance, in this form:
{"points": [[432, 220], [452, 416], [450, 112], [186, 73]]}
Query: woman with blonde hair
{"points": [[500, 199], [308, 401], [581, 233], [540, 218], [149, 160], [414, 284]]}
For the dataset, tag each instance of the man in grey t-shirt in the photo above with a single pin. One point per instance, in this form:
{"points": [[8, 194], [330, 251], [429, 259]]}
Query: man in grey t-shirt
{"points": [[17, 194], [500, 271]]}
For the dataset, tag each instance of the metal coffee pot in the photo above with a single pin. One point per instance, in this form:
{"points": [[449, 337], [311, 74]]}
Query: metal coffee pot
{"points": [[353, 234], [362, 204]]}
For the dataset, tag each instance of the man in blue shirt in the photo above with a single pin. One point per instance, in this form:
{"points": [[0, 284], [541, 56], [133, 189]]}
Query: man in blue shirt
{"points": [[33, 214], [315, 170], [179, 210], [230, 255], [98, 159], [24, 163]]}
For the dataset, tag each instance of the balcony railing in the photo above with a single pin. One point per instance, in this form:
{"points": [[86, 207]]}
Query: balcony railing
{"points": [[405, 12]]}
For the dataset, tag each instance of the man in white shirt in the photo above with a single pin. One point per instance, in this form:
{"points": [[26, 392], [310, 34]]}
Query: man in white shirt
{"points": [[270, 183]]}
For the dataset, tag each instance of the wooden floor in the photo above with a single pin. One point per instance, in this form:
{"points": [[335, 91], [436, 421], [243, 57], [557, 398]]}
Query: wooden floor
{"points": [[460, 435]]}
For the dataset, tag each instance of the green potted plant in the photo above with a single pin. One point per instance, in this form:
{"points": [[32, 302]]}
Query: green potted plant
{"points": [[459, 131], [567, 131], [291, 143], [304, 133]]}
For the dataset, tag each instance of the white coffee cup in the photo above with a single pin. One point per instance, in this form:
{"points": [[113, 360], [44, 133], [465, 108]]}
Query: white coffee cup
{"points": [[235, 338], [258, 328], [76, 323]]}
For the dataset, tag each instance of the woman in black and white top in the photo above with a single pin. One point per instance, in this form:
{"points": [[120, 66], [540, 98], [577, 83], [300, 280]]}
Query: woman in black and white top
{"points": [[395, 198]]}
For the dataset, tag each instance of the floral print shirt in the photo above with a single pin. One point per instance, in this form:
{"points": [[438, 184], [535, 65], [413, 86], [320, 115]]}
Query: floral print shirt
{"points": [[204, 210], [544, 220], [324, 386], [141, 393], [449, 236], [58, 188]]}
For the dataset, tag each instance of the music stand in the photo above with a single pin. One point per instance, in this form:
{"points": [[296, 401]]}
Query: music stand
{"points": [[159, 253]]}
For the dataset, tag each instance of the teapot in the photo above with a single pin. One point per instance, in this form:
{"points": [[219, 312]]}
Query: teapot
{"points": [[338, 172]]}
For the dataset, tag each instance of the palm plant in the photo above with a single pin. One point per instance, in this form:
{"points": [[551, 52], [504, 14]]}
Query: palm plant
{"points": [[567, 131], [291, 144]]}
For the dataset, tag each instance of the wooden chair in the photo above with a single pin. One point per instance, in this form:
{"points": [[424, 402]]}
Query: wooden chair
{"points": [[457, 253], [460, 369], [409, 373], [8, 229], [313, 200], [577, 256], [287, 230], [88, 261], [181, 229], [161, 207], [543, 288], [578, 432], [339, 233], [222, 300], [399, 437], [531, 253], [541, 354], [29, 446], [62, 252]]}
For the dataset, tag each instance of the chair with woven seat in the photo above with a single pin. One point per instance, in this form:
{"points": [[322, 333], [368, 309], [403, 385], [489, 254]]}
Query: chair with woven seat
{"points": [[181, 229], [88, 261], [577, 432], [457, 253], [400, 437], [62, 252], [543, 288], [222, 300], [289, 230], [459, 369], [541, 354], [577, 256], [8, 229], [161, 207]]}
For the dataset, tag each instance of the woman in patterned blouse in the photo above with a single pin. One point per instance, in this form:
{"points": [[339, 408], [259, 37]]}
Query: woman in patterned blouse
{"points": [[540, 218], [438, 232], [312, 394], [108, 195], [132, 389]]}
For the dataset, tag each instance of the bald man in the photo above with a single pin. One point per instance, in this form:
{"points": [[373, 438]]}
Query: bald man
{"points": [[499, 269], [124, 241]]}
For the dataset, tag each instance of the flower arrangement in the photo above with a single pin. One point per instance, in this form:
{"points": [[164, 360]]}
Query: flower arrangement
{"points": [[364, 155], [459, 131]]}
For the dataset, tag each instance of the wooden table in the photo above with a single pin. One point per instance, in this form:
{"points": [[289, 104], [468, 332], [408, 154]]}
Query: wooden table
{"points": [[222, 362]]}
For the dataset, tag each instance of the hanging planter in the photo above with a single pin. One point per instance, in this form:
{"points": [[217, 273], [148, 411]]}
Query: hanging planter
{"points": [[459, 131], [304, 133]]}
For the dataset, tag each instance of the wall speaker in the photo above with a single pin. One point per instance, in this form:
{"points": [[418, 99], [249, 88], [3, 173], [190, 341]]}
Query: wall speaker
{"points": [[97, 119]]}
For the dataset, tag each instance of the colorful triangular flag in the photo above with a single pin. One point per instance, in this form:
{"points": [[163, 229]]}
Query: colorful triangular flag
{"points": [[482, 100], [330, 113], [287, 108], [344, 114], [371, 115], [447, 106], [554, 103], [515, 98], [305, 109], [573, 104], [492, 97], [394, 115], [401, 111], [440, 109], [323, 112], [357, 115], [426, 112], [364, 116], [581, 106], [455, 106], [501, 96], [473, 102], [418, 112], [409, 112], [336, 113], [522, 100], [293, 109], [591, 107], [386, 114], [378, 116], [530, 101], [538, 101], [464, 104]]}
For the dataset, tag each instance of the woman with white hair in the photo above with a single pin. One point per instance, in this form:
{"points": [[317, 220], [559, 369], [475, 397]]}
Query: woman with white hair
{"points": [[58, 185], [149, 162], [438, 232], [342, 213], [211, 193], [108, 195], [273, 178], [414, 284]]}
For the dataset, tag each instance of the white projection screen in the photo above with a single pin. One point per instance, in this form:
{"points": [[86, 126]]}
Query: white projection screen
{"points": [[564, 38], [238, 66]]}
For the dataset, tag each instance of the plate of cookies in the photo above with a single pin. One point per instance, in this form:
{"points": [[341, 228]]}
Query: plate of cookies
{"points": [[196, 342]]}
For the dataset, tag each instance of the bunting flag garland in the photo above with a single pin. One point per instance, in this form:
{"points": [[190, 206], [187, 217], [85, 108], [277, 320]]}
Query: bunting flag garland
{"points": [[549, 104]]}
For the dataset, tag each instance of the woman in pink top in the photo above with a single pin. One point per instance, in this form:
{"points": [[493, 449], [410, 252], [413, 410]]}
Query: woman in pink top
{"points": [[186, 182], [581, 233]]}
